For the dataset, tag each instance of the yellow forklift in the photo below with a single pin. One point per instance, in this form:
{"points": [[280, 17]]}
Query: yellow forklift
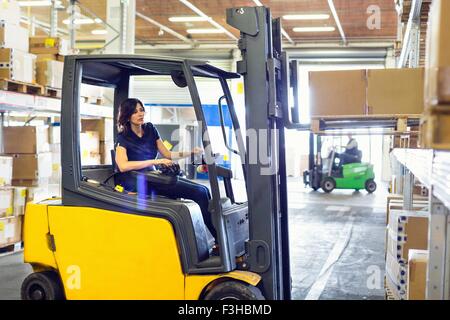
{"points": [[97, 243]]}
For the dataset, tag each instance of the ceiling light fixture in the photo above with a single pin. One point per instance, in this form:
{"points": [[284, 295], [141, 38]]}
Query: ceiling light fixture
{"points": [[314, 29], [99, 31], [306, 17], [43, 3], [197, 31], [188, 19], [80, 21]]}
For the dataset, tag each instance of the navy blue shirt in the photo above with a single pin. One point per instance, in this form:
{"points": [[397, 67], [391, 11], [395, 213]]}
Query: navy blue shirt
{"points": [[138, 149]]}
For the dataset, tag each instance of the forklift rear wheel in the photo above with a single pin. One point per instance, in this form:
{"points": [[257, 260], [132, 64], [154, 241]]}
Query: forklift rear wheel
{"points": [[42, 286], [234, 290], [328, 185], [371, 186]]}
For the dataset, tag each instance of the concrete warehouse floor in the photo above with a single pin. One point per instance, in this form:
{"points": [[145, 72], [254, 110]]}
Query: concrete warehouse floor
{"points": [[337, 246]]}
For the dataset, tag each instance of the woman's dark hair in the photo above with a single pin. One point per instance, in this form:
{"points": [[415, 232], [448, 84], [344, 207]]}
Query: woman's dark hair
{"points": [[126, 110]]}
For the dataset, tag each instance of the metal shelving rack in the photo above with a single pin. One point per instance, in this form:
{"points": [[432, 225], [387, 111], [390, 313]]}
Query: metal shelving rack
{"points": [[432, 169], [20, 102]]}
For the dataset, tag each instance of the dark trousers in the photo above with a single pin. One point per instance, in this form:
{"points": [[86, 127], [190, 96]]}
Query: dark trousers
{"points": [[193, 191], [346, 158]]}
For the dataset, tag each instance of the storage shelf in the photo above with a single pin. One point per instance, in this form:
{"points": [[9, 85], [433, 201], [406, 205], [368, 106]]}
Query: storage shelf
{"points": [[441, 177], [13, 101], [418, 161], [432, 168]]}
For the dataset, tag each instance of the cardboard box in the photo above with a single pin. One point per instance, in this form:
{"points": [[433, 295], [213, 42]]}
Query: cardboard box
{"points": [[105, 151], [10, 11], [50, 73], [31, 183], [13, 36], [407, 230], [395, 91], [398, 293], [6, 167], [437, 74], [20, 200], [417, 274], [337, 93], [56, 164], [104, 127], [46, 57], [397, 272], [90, 148], [32, 139], [48, 45], [32, 166], [17, 65], [6, 202], [435, 130], [366, 92], [397, 204], [54, 134], [36, 194], [10, 230]]}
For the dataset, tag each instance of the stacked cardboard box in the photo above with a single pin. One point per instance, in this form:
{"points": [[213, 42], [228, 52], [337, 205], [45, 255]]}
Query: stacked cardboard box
{"points": [[10, 11], [103, 129], [55, 149], [90, 148], [50, 52], [406, 230], [366, 92], [49, 45], [437, 72], [417, 274], [15, 61], [10, 230], [12, 204], [49, 73], [435, 122], [32, 161]]}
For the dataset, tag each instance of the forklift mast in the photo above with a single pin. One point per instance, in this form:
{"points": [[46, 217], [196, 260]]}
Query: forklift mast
{"points": [[265, 70]]}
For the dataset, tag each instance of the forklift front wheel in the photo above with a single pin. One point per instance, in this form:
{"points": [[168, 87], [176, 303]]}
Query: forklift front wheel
{"points": [[328, 184], [42, 286], [234, 290], [371, 186]]}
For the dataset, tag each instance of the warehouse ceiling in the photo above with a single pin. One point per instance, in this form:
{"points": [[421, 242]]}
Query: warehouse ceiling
{"points": [[356, 19]]}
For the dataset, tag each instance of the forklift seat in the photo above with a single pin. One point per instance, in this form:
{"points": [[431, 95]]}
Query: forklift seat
{"points": [[203, 238]]}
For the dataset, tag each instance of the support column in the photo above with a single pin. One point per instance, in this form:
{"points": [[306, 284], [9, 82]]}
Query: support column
{"points": [[414, 55], [54, 20], [408, 190], [438, 264], [121, 15], [72, 25], [237, 88]]}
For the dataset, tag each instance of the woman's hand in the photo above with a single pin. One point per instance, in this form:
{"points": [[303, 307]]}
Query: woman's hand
{"points": [[165, 162], [197, 150]]}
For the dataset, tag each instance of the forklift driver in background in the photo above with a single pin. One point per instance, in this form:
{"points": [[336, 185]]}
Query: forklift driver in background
{"points": [[137, 146], [351, 153]]}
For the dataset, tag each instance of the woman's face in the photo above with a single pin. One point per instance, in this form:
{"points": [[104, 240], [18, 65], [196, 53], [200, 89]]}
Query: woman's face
{"points": [[137, 118]]}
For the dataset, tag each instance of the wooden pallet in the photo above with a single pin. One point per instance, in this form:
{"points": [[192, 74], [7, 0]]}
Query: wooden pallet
{"points": [[435, 128], [52, 92], [11, 249], [92, 100], [400, 128], [388, 294], [21, 87]]}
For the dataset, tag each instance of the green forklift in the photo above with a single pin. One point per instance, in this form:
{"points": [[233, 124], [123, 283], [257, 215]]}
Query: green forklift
{"points": [[329, 174]]}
